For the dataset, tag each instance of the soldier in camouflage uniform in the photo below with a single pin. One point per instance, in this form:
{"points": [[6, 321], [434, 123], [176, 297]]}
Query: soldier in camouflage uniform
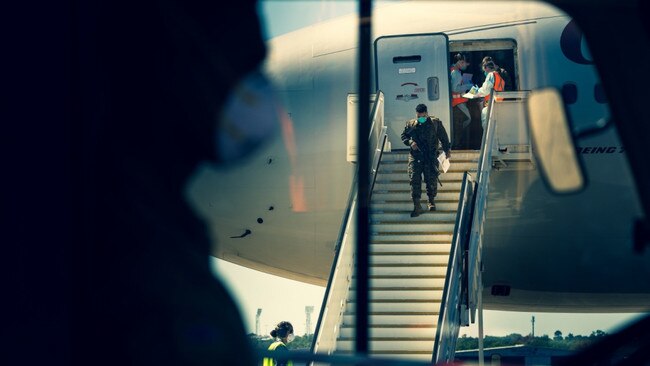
{"points": [[422, 135]]}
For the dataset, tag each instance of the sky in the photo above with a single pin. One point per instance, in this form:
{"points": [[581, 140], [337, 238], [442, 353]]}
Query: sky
{"points": [[281, 16], [282, 299], [279, 298]]}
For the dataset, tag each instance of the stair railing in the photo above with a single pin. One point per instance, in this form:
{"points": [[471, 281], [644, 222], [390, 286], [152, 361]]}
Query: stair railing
{"points": [[482, 184], [338, 284], [454, 295]]}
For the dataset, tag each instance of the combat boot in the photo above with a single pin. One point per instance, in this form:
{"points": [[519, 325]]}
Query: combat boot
{"points": [[431, 205], [417, 208]]}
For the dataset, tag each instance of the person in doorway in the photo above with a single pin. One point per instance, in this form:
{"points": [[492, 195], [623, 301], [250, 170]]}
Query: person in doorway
{"points": [[422, 135], [458, 103], [493, 82], [487, 59], [283, 335], [507, 80]]}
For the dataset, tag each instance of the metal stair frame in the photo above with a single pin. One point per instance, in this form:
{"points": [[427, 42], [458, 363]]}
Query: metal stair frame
{"points": [[454, 306], [461, 296], [474, 260], [338, 285]]}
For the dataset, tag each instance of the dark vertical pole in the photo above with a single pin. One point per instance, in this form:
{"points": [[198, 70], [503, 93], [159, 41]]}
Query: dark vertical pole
{"points": [[361, 339]]}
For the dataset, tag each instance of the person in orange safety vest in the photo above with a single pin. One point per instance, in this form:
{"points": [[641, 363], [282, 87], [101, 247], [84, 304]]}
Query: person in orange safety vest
{"points": [[493, 81]]}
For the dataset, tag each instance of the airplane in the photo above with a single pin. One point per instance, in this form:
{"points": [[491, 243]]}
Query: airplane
{"points": [[280, 212], [47, 287]]}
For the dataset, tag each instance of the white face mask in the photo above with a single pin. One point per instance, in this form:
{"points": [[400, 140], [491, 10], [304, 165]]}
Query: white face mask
{"points": [[251, 113], [290, 338]]}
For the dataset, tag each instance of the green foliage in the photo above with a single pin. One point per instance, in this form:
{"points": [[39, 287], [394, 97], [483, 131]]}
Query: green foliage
{"points": [[570, 342], [464, 342], [302, 343]]}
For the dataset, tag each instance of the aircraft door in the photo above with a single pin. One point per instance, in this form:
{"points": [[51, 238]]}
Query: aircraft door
{"points": [[413, 69]]}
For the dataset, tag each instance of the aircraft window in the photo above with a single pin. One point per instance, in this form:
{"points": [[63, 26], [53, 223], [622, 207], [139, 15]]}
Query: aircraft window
{"points": [[432, 88], [569, 93], [599, 94], [406, 59]]}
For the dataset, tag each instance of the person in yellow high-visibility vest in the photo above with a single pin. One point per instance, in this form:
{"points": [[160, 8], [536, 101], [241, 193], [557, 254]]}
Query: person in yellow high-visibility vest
{"points": [[283, 335]]}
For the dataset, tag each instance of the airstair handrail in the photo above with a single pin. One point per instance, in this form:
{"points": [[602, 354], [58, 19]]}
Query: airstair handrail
{"points": [[454, 292], [482, 183], [338, 284], [377, 137]]}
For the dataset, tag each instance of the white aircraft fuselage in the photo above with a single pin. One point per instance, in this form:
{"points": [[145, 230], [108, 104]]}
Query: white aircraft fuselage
{"points": [[555, 253]]}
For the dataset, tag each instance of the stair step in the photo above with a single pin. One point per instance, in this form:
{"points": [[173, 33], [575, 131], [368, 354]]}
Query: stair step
{"points": [[456, 166], [399, 235], [415, 356], [406, 339], [397, 249], [402, 155], [390, 236], [400, 170], [399, 174], [348, 332], [407, 205], [401, 270], [413, 226], [403, 183], [402, 306], [405, 215], [405, 150], [387, 344], [410, 259], [402, 192], [402, 294], [456, 154], [401, 199], [403, 287], [446, 178], [405, 277], [377, 284], [411, 239], [395, 321], [397, 314]]}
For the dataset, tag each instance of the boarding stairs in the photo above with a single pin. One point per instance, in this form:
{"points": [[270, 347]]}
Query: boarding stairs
{"points": [[425, 272], [408, 260]]}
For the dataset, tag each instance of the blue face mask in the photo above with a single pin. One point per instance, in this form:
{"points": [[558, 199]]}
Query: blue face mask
{"points": [[422, 119]]}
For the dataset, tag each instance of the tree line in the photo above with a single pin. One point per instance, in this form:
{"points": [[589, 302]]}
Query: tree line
{"points": [[559, 341]]}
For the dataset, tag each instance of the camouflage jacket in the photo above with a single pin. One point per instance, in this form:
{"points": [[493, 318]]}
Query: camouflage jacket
{"points": [[426, 135]]}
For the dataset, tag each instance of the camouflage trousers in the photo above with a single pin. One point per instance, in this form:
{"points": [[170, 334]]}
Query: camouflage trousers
{"points": [[417, 168]]}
